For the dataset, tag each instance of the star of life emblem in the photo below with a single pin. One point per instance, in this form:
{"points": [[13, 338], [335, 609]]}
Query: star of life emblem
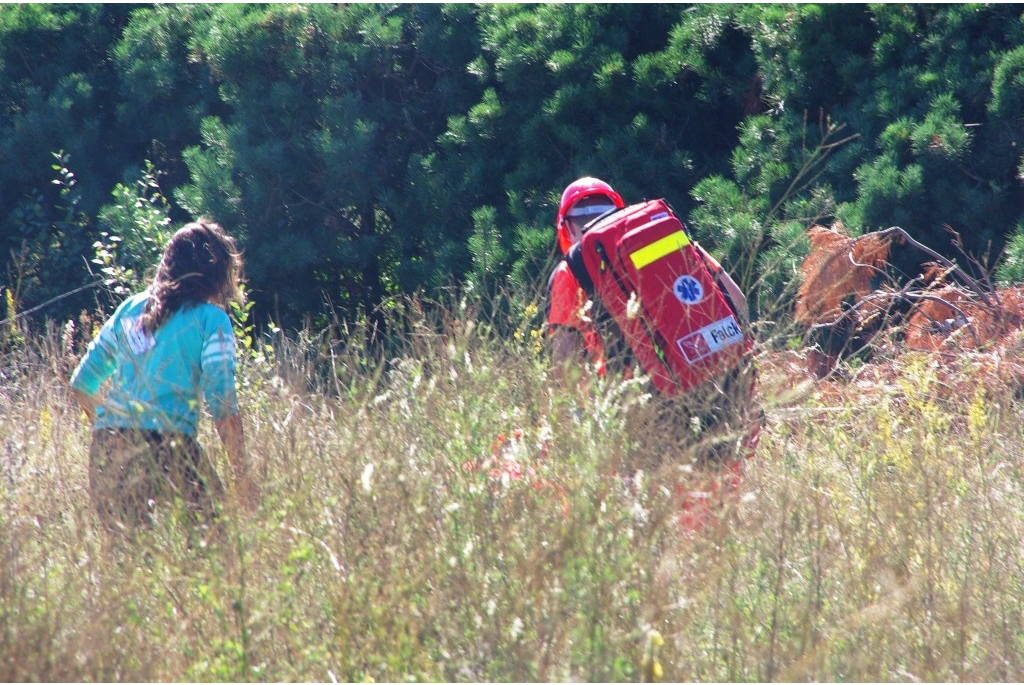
{"points": [[688, 290]]}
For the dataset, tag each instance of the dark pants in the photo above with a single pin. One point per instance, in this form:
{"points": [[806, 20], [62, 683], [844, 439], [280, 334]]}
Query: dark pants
{"points": [[132, 472], [715, 424]]}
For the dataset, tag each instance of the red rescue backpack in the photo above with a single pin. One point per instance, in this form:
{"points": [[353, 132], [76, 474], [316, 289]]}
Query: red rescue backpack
{"points": [[641, 265]]}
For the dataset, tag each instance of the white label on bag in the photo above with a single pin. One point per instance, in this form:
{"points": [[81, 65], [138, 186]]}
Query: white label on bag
{"points": [[710, 339]]}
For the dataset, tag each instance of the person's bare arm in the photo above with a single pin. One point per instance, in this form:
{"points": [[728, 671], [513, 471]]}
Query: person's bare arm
{"points": [[87, 402], [739, 300], [736, 295], [568, 353], [232, 436]]}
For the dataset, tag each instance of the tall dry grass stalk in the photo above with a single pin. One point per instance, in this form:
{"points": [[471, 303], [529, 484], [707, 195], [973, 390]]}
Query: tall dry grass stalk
{"points": [[449, 515]]}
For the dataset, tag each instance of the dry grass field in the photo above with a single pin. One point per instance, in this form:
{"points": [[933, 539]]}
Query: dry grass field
{"points": [[449, 515]]}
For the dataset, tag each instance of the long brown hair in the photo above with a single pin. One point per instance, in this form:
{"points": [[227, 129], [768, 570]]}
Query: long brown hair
{"points": [[200, 264]]}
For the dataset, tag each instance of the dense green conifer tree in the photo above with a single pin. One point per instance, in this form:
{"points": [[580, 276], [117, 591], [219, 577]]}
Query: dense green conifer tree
{"points": [[361, 151]]}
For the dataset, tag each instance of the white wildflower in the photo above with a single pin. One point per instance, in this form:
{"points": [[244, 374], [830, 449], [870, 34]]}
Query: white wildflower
{"points": [[367, 478]]}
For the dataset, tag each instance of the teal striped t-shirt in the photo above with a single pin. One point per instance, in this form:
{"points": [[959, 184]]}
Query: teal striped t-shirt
{"points": [[159, 380]]}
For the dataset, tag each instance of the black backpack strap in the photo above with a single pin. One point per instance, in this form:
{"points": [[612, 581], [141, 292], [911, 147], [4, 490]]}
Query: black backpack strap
{"points": [[574, 258]]}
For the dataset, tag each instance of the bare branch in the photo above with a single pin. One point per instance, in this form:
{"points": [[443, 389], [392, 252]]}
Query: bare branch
{"points": [[942, 260], [905, 295]]}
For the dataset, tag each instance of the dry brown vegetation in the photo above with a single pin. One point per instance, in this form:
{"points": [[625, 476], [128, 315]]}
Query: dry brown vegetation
{"points": [[848, 303], [876, 536]]}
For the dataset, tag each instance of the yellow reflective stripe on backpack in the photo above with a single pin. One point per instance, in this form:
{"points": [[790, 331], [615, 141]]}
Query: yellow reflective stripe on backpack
{"points": [[659, 248]]}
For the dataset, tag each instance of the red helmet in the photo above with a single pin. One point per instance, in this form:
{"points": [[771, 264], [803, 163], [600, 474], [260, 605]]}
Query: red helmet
{"points": [[574, 192]]}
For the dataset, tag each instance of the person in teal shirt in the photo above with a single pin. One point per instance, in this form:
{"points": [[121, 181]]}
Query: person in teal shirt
{"points": [[164, 351]]}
